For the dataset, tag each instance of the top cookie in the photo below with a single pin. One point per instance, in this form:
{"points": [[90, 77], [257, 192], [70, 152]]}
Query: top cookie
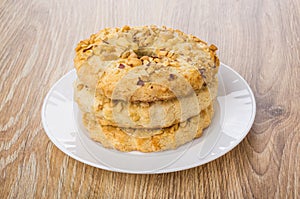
{"points": [[145, 63]]}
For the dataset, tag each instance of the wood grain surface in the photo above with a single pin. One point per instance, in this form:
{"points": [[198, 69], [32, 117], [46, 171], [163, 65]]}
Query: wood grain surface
{"points": [[260, 39]]}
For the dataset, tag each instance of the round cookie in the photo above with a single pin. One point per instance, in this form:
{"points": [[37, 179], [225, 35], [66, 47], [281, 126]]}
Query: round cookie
{"points": [[155, 63], [148, 140], [157, 114]]}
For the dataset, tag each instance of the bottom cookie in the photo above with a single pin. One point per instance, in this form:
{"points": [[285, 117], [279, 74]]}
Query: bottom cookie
{"points": [[126, 139]]}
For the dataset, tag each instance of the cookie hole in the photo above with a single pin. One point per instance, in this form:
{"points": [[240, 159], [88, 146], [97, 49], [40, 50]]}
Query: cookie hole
{"points": [[144, 52]]}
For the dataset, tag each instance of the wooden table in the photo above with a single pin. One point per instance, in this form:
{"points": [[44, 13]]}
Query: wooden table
{"points": [[259, 39]]}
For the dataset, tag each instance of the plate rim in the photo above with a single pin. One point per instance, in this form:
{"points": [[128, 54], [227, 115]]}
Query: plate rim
{"points": [[169, 170]]}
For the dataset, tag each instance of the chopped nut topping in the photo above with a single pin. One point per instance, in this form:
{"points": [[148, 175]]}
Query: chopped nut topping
{"points": [[202, 71], [213, 47], [133, 55], [164, 89], [162, 53], [196, 39], [134, 62], [125, 55], [157, 60], [170, 54], [166, 63], [121, 66], [80, 86], [146, 62], [174, 63], [172, 77], [140, 82], [135, 117], [89, 52], [125, 28], [145, 58]]}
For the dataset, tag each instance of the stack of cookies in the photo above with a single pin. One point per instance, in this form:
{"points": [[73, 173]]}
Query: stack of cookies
{"points": [[145, 88]]}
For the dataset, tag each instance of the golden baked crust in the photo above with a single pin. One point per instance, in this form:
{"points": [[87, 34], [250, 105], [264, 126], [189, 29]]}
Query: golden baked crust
{"points": [[148, 140], [154, 63], [157, 114]]}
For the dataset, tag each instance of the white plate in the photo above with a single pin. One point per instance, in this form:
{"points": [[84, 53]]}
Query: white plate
{"points": [[234, 115]]}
